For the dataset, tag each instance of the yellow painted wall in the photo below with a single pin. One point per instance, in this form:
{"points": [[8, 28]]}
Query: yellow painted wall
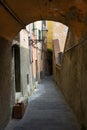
{"points": [[50, 34], [58, 31]]}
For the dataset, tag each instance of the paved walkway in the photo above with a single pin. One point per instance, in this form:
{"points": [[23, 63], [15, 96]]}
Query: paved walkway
{"points": [[47, 110]]}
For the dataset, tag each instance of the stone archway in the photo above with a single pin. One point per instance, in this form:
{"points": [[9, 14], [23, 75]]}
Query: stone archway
{"points": [[15, 15]]}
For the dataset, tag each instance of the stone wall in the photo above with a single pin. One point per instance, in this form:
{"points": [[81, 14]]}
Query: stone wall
{"points": [[5, 81], [71, 78]]}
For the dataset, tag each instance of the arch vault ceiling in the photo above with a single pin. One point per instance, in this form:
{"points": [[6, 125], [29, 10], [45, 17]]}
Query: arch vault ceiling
{"points": [[16, 14]]}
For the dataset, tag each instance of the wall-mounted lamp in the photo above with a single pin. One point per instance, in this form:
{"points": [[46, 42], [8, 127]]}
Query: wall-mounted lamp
{"points": [[34, 41]]}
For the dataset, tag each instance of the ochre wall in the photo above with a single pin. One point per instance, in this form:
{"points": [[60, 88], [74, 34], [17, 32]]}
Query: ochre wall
{"points": [[5, 81], [49, 34]]}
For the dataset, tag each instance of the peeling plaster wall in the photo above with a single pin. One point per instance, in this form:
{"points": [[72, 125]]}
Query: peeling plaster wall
{"points": [[5, 81]]}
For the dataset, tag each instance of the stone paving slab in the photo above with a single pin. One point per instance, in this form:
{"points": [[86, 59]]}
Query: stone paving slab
{"points": [[47, 110]]}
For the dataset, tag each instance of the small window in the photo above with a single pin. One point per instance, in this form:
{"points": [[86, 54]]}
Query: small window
{"points": [[27, 78], [39, 35]]}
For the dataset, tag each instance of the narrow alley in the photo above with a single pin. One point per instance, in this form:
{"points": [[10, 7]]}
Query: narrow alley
{"points": [[47, 110]]}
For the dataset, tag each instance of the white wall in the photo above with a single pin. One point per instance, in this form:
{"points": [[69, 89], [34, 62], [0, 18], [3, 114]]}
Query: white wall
{"points": [[24, 60]]}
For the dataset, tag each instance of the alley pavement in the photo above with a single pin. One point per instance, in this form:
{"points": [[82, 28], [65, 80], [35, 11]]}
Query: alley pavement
{"points": [[47, 110]]}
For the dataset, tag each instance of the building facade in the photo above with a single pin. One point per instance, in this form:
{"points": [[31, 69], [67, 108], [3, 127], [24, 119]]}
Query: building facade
{"points": [[29, 48]]}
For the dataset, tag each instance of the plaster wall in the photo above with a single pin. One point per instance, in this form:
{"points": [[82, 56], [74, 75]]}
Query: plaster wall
{"points": [[49, 34], [60, 32], [72, 76], [24, 61], [5, 82]]}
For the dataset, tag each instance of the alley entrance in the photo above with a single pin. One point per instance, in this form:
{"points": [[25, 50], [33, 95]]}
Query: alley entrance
{"points": [[47, 110]]}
